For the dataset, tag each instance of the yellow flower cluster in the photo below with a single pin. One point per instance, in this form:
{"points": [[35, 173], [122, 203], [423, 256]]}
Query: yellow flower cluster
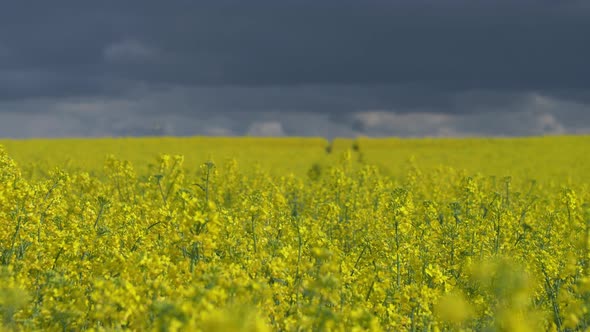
{"points": [[345, 248]]}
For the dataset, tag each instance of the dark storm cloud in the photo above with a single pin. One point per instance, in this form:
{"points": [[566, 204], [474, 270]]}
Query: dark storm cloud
{"points": [[454, 45], [293, 67]]}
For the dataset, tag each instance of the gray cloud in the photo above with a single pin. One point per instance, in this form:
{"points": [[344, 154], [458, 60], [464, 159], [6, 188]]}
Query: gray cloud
{"points": [[304, 67], [534, 114]]}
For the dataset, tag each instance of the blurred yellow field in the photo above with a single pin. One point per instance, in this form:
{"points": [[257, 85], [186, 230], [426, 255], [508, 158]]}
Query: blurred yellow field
{"points": [[555, 158], [89, 154], [295, 234]]}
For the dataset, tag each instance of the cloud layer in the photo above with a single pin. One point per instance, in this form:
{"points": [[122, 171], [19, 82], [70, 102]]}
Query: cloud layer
{"points": [[377, 67], [180, 113]]}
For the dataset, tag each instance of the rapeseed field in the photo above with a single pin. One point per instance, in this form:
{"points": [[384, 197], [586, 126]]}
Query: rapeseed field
{"points": [[297, 234]]}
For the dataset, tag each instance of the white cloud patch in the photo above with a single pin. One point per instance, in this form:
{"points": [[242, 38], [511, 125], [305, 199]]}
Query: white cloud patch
{"points": [[267, 128], [547, 123], [516, 123], [406, 124], [129, 51]]}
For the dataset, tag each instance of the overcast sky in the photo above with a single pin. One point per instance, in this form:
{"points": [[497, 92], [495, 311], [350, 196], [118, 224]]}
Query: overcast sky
{"points": [[294, 67]]}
